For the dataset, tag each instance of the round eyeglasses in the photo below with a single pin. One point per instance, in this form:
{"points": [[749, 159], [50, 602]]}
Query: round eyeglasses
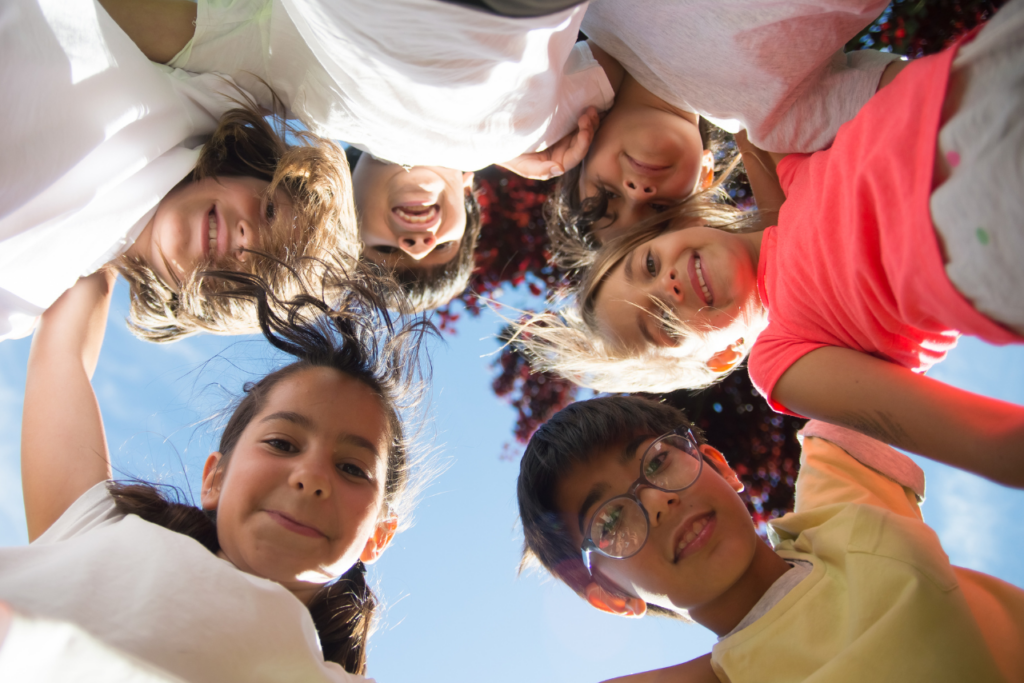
{"points": [[619, 527]]}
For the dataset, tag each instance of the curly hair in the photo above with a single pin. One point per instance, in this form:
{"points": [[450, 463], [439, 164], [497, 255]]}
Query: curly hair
{"points": [[316, 179], [567, 340]]}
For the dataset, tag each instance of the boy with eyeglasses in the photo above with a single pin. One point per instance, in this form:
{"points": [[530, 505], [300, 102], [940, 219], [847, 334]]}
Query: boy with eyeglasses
{"points": [[621, 500]]}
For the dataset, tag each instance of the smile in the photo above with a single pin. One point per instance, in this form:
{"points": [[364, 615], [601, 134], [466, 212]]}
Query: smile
{"points": [[641, 167], [698, 281], [212, 224], [417, 217], [294, 525], [694, 535]]}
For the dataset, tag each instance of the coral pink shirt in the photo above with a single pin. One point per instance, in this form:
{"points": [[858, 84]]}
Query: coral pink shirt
{"points": [[855, 261]]}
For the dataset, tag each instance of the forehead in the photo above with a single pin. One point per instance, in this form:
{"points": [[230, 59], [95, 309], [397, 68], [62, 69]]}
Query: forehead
{"points": [[330, 402], [608, 472]]}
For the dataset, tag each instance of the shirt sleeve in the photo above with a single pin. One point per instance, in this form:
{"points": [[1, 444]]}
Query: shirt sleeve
{"points": [[93, 509], [833, 95], [838, 465]]}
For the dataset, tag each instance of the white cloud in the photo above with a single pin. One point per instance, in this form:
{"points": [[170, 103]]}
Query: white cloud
{"points": [[968, 514]]}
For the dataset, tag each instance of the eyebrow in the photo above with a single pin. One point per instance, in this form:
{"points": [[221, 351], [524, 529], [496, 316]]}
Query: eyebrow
{"points": [[598, 491], [303, 421]]}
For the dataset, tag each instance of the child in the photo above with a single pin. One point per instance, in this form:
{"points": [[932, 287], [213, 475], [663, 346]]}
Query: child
{"points": [[853, 276], [776, 69], [856, 586], [308, 481], [161, 173]]}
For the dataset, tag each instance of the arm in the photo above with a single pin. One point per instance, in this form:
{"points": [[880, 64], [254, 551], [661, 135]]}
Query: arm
{"points": [[63, 447], [161, 28], [694, 671], [899, 407], [764, 181]]}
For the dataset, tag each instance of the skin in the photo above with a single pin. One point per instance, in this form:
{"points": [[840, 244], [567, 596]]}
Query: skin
{"points": [[176, 240], [646, 155], [322, 465], [300, 499], [410, 218], [665, 268], [717, 579]]}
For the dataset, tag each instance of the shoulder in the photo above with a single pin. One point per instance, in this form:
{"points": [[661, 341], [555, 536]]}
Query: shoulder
{"points": [[93, 509]]}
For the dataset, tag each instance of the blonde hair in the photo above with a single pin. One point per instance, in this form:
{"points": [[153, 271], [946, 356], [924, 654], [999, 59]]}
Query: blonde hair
{"points": [[315, 176], [567, 341]]}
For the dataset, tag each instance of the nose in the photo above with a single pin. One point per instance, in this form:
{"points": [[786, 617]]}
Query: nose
{"points": [[672, 285], [638, 188], [309, 478], [417, 245], [659, 504]]}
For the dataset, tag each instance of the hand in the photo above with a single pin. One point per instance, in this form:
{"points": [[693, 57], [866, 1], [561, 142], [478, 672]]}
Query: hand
{"points": [[561, 156]]}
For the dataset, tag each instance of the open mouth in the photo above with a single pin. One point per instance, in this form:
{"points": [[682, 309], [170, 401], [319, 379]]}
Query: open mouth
{"points": [[418, 217], [698, 281], [212, 231], [695, 535]]}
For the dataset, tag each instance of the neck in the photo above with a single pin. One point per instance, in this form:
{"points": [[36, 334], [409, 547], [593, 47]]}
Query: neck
{"points": [[722, 614]]}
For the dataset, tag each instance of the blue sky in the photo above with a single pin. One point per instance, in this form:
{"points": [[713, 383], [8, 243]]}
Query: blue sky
{"points": [[456, 610]]}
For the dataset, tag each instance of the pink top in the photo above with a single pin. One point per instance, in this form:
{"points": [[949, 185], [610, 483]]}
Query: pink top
{"points": [[855, 261]]}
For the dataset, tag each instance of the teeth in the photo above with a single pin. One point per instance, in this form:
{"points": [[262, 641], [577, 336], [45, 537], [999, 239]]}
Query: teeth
{"points": [[691, 534], [700, 278], [213, 232], [417, 214]]}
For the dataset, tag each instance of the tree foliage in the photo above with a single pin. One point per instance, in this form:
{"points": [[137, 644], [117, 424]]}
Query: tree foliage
{"points": [[513, 257]]}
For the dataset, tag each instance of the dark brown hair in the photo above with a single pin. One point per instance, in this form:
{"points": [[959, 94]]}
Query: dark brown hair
{"points": [[568, 439], [357, 337], [570, 217]]}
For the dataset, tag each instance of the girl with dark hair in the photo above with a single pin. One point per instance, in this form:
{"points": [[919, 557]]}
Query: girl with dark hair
{"points": [[106, 157], [311, 479]]}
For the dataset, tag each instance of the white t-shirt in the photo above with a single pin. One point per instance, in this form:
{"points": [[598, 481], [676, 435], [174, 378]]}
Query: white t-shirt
{"points": [[774, 68], [92, 136], [414, 82], [162, 597]]}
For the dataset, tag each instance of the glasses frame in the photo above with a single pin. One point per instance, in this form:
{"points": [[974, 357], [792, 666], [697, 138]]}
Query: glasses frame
{"points": [[589, 546]]}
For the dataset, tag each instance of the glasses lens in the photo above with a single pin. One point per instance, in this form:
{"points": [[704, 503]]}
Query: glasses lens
{"points": [[619, 527], [671, 463]]}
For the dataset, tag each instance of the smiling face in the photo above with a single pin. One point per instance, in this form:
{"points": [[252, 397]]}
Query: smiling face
{"points": [[701, 541], [300, 498], [210, 220], [645, 157], [410, 218], [706, 278]]}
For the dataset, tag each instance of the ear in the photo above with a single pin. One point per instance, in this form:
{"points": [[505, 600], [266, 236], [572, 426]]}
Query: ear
{"points": [[376, 544], [467, 181], [707, 169], [722, 465], [726, 360], [606, 601], [213, 476]]}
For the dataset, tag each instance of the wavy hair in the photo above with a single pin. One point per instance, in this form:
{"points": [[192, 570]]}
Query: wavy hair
{"points": [[567, 340], [313, 174], [359, 338]]}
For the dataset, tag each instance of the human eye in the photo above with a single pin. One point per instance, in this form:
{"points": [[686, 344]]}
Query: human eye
{"points": [[270, 211], [608, 522], [279, 444], [650, 264], [353, 470]]}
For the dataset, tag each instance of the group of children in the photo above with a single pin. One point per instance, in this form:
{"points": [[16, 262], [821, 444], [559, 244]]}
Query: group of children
{"points": [[151, 138]]}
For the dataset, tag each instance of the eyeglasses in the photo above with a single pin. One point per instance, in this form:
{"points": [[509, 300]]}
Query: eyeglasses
{"points": [[620, 526]]}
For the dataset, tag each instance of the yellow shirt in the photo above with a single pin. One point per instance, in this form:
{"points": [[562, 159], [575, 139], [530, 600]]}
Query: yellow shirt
{"points": [[882, 602]]}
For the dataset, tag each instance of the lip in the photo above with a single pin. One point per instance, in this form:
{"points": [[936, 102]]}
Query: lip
{"points": [[644, 168], [417, 226], [294, 525], [691, 270], [205, 233], [702, 538]]}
